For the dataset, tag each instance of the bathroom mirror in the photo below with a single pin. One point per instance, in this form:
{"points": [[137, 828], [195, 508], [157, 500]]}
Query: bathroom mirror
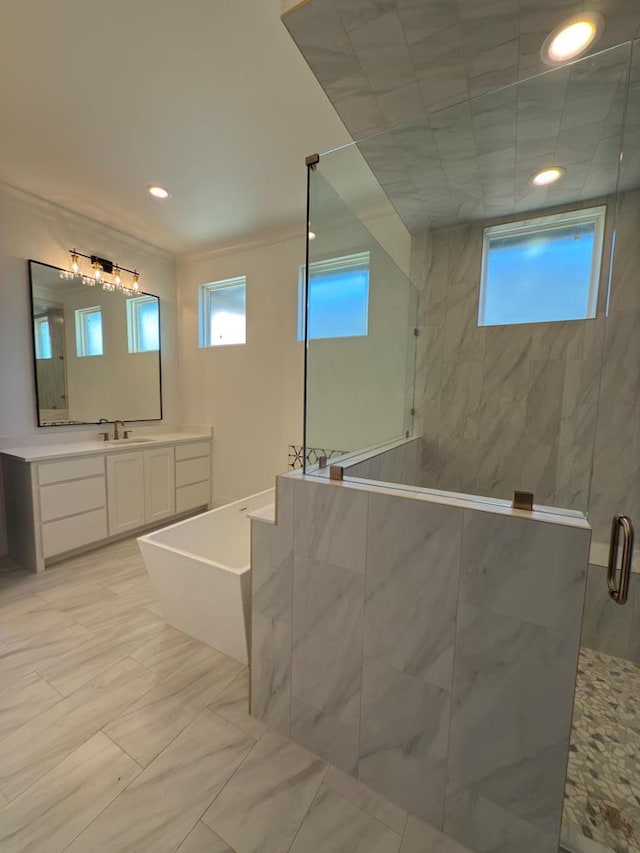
{"points": [[96, 352]]}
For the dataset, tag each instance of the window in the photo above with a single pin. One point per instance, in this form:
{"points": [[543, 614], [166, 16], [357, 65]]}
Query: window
{"points": [[543, 269], [89, 332], [143, 324], [338, 297], [42, 337], [222, 312]]}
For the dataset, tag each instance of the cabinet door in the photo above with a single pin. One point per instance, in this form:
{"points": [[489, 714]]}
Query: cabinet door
{"points": [[125, 491], [159, 483]]}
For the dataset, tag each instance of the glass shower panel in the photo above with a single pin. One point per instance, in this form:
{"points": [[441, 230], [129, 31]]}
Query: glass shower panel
{"points": [[602, 805], [531, 400], [512, 405], [361, 315]]}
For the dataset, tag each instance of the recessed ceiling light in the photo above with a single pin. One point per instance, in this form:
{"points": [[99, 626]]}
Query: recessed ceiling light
{"points": [[547, 176], [572, 38], [312, 235], [157, 191]]}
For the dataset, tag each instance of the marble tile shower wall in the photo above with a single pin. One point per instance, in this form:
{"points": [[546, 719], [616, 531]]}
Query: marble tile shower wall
{"points": [[606, 627], [523, 406], [415, 645], [398, 465]]}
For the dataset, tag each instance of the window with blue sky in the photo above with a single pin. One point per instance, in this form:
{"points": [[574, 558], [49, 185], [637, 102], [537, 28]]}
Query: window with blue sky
{"points": [[338, 297], [42, 336], [89, 332], [143, 324], [222, 308], [542, 270]]}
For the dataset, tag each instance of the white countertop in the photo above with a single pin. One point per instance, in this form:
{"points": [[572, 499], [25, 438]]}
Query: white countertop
{"points": [[85, 447], [266, 514]]}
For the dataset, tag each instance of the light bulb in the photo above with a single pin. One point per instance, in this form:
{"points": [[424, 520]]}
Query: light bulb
{"points": [[97, 272], [75, 263], [136, 282], [117, 278], [572, 38], [547, 176], [157, 191]]}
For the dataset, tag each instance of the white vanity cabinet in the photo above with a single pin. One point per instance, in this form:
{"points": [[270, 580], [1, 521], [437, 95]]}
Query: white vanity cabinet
{"points": [[160, 484], [68, 504], [125, 488], [141, 488], [72, 503], [193, 475]]}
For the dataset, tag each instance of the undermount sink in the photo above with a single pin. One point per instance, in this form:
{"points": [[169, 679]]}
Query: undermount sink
{"points": [[124, 442]]}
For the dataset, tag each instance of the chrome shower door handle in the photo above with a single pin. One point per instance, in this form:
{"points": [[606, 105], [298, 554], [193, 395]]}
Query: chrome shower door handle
{"points": [[619, 589]]}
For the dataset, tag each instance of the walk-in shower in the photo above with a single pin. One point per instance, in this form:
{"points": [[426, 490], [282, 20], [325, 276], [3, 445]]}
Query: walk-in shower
{"points": [[488, 342]]}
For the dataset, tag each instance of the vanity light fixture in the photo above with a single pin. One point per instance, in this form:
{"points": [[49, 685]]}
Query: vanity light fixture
{"points": [[572, 38], [106, 273], [547, 176], [157, 191]]}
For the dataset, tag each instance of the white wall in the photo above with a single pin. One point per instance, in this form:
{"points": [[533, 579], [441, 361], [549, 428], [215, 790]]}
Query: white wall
{"points": [[32, 228], [356, 385], [253, 394]]}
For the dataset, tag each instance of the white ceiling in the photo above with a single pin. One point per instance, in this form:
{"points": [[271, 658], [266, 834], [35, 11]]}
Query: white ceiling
{"points": [[210, 98]]}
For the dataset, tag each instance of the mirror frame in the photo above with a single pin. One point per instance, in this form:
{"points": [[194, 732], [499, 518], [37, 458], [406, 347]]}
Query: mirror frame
{"points": [[30, 262]]}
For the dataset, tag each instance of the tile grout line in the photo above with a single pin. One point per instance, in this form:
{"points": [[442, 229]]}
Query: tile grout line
{"points": [[249, 751], [208, 806], [122, 749], [364, 610], [113, 800], [125, 710], [453, 669], [313, 799]]}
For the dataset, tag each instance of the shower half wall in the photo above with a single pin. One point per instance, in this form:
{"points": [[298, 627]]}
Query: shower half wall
{"points": [[414, 641]]}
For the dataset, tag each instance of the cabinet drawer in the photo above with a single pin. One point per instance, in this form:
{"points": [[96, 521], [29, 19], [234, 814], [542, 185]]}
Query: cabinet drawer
{"points": [[70, 469], [192, 449], [61, 499], [190, 471], [69, 533], [191, 497]]}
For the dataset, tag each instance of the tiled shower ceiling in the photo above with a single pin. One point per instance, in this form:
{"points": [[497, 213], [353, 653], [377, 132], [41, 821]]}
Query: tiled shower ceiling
{"points": [[396, 64], [383, 62], [475, 160]]}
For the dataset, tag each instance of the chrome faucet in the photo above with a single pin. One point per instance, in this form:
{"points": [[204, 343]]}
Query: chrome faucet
{"points": [[116, 434]]}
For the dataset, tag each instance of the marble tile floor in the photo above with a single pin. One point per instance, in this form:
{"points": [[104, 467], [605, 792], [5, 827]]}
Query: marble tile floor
{"points": [[119, 734], [602, 797]]}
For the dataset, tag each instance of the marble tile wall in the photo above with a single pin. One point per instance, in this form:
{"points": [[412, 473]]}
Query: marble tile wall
{"points": [[382, 62], [414, 644], [398, 465], [607, 627], [523, 406], [416, 69], [271, 585]]}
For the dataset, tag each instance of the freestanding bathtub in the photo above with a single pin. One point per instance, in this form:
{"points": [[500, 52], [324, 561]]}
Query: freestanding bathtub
{"points": [[199, 569]]}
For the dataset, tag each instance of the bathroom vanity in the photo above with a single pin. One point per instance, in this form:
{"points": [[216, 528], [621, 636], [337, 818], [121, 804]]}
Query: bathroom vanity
{"points": [[63, 498]]}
